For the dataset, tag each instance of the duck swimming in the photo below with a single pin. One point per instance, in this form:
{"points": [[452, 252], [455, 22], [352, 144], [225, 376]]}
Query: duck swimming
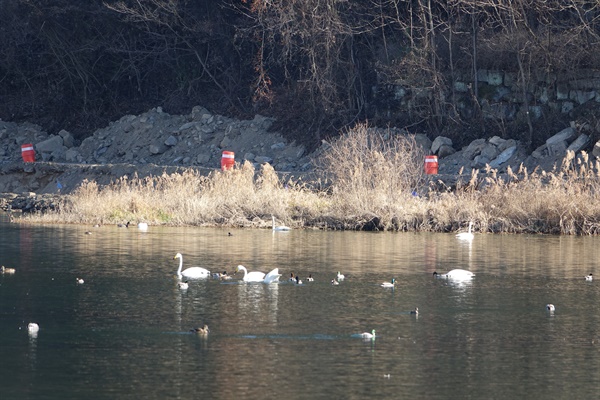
{"points": [[201, 331], [310, 278], [389, 284], [589, 278], [415, 311], [550, 307], [183, 285], [334, 282], [79, 281], [340, 276]]}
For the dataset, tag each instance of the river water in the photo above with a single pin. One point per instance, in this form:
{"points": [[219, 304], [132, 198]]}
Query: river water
{"points": [[125, 332]]}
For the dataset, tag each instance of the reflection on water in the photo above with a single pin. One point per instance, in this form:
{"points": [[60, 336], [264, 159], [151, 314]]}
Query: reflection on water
{"points": [[126, 331]]}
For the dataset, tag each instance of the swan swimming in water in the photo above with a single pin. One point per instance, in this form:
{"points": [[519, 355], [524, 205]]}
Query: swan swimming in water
{"points": [[340, 276], [279, 228], [455, 274], [193, 272], [143, 226], [466, 235], [257, 276], [367, 335], [389, 284], [589, 278]]}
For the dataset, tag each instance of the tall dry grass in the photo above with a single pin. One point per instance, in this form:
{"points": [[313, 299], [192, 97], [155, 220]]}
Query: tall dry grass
{"points": [[371, 181]]}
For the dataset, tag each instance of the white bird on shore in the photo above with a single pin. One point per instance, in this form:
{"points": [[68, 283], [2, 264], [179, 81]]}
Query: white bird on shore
{"points": [[466, 235], [193, 272], [279, 228]]}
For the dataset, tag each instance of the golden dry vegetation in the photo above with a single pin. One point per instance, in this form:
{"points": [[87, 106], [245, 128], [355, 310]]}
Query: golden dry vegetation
{"points": [[368, 181]]}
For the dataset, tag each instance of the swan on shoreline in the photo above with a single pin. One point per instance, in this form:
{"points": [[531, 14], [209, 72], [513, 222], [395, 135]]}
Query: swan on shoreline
{"points": [[279, 228], [193, 272]]}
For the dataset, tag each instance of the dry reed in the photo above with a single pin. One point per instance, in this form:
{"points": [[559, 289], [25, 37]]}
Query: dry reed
{"points": [[373, 181]]}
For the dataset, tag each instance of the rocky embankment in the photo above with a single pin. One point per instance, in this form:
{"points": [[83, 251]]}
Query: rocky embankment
{"points": [[156, 142]]}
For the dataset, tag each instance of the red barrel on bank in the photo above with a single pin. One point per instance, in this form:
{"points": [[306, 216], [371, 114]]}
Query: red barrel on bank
{"points": [[227, 160], [431, 165], [27, 152]]}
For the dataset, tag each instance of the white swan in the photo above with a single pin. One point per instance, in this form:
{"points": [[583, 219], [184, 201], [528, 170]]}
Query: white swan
{"points": [[340, 276], [142, 226], [589, 278], [183, 285], [254, 276], [279, 228], [193, 272], [466, 235], [33, 327], [367, 335], [272, 276], [389, 284], [550, 307], [455, 274]]}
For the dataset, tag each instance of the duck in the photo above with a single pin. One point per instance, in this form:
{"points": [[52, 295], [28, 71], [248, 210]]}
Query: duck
{"points": [[224, 276], [298, 280], [201, 331], [33, 327], [310, 278], [6, 270], [88, 232], [550, 307], [466, 235], [455, 274], [389, 284], [340, 276], [80, 281], [279, 228], [415, 311], [142, 226], [193, 272], [183, 285], [367, 335], [292, 278], [334, 282], [589, 278], [123, 225]]}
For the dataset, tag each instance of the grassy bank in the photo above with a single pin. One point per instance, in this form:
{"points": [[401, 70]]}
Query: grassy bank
{"points": [[368, 181]]}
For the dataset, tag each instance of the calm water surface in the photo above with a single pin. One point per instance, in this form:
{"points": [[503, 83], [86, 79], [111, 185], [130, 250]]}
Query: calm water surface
{"points": [[124, 333]]}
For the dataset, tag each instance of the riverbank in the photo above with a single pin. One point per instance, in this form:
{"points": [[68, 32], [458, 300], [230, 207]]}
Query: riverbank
{"points": [[559, 202]]}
